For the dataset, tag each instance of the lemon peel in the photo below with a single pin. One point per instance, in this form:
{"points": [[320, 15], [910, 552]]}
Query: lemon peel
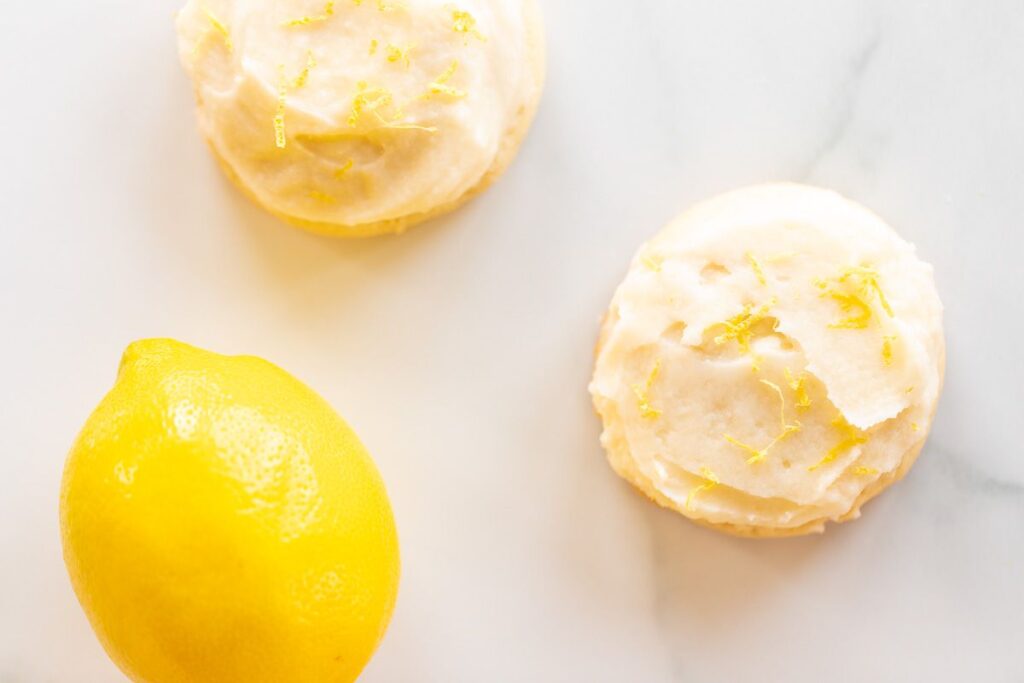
{"points": [[327, 13], [710, 482], [887, 341], [864, 471], [373, 46], [220, 27], [322, 197], [642, 393], [280, 137], [854, 290], [439, 86], [851, 436], [345, 168], [739, 328], [651, 263], [799, 386], [368, 100], [861, 316], [282, 93], [465, 23], [397, 53], [755, 265], [759, 454], [867, 282]]}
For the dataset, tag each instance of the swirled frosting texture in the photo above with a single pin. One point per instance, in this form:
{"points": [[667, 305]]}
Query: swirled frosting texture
{"points": [[362, 116], [772, 360]]}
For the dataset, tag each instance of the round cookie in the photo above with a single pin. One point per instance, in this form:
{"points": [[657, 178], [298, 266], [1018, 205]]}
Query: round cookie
{"points": [[362, 117], [772, 361]]}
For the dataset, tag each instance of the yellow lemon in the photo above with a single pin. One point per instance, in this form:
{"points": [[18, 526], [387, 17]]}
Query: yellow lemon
{"points": [[221, 523]]}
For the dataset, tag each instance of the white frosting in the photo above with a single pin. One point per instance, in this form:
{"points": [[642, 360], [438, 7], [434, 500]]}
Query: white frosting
{"points": [[413, 147], [818, 255]]}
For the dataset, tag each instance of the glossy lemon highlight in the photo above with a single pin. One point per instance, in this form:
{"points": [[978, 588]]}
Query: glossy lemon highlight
{"points": [[221, 523]]}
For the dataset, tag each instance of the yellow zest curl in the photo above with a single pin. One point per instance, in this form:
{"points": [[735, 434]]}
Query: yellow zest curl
{"points": [[758, 270], [759, 454], [865, 471], [643, 392], [853, 290], [851, 436], [464, 22], [440, 84], [799, 387], [710, 482], [368, 100], [861, 317], [303, 76], [221, 28], [280, 139], [373, 46], [396, 53], [866, 279], [887, 348], [322, 197], [916, 427], [651, 263], [343, 171], [306, 21], [739, 328], [282, 93]]}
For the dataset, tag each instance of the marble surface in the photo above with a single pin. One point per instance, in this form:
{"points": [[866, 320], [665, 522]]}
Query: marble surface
{"points": [[461, 352]]}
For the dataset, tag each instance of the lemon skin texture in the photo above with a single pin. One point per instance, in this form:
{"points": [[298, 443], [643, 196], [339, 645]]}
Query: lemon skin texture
{"points": [[221, 523]]}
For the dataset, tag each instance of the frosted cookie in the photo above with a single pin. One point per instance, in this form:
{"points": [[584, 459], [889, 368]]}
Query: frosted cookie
{"points": [[772, 360], [361, 117]]}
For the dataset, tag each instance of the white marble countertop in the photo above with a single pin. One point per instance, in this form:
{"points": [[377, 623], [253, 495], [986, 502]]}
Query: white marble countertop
{"points": [[461, 352]]}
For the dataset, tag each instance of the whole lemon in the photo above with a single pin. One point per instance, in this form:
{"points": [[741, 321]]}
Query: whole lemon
{"points": [[221, 523]]}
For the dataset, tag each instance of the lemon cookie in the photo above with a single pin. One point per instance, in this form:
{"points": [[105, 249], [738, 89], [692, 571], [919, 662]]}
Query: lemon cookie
{"points": [[772, 361], [362, 117]]}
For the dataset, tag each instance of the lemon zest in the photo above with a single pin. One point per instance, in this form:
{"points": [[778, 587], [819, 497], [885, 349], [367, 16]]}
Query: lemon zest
{"points": [[651, 263], [303, 76], [220, 27], [867, 278], [854, 290], [373, 46], [860, 319], [280, 138], [851, 436], [916, 427], [307, 20], [643, 394], [887, 341], [396, 53], [758, 270], [865, 471], [439, 86], [282, 93], [710, 482], [345, 168], [368, 100], [799, 386], [465, 23], [322, 197], [739, 328], [759, 454]]}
